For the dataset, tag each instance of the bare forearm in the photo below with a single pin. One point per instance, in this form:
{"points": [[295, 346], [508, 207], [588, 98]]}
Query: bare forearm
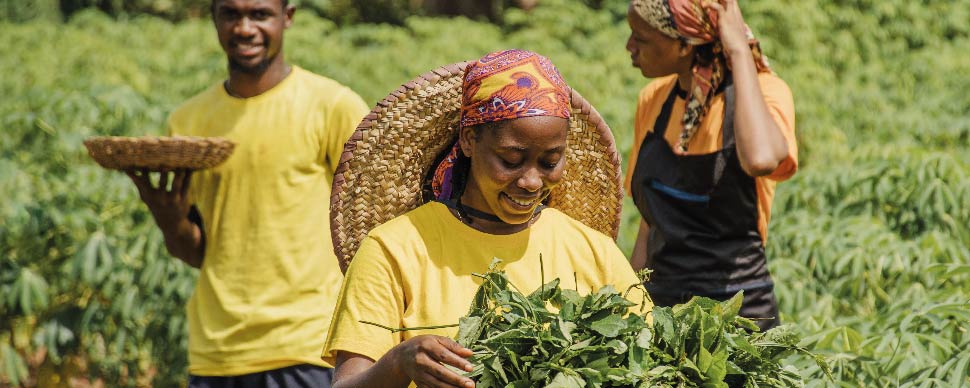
{"points": [[361, 373], [184, 240], [639, 259], [761, 145]]}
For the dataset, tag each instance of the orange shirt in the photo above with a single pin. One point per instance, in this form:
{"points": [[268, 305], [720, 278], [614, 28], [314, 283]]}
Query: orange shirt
{"points": [[708, 137]]}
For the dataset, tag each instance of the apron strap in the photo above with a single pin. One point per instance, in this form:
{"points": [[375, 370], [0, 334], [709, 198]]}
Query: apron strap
{"points": [[660, 125], [727, 128], [727, 131]]}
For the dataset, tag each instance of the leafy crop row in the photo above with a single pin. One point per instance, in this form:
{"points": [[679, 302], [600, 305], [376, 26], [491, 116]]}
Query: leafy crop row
{"points": [[869, 243]]}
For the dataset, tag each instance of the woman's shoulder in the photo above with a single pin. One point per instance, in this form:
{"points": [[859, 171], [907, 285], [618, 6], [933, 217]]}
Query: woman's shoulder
{"points": [[402, 237], [563, 225], [408, 224]]}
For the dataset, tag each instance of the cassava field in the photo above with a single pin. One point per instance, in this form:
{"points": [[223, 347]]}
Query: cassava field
{"points": [[869, 245]]}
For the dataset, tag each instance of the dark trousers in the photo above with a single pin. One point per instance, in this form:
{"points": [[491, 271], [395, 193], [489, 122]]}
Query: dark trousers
{"points": [[299, 376], [759, 304]]}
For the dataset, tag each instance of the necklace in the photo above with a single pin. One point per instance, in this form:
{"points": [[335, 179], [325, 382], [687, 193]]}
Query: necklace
{"points": [[467, 214], [470, 211]]}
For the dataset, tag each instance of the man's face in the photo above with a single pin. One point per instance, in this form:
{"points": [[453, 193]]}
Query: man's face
{"points": [[251, 31]]}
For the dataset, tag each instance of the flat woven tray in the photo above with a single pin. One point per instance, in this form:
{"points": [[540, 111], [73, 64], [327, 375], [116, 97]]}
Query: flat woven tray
{"points": [[159, 153]]}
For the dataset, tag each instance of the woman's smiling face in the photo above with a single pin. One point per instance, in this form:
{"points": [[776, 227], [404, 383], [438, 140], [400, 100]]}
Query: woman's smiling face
{"points": [[515, 164]]}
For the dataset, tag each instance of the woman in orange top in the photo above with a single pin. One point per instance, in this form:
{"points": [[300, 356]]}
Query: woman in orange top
{"points": [[714, 133]]}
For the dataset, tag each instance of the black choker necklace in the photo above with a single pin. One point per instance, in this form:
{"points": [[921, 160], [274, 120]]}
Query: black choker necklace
{"points": [[470, 211], [465, 212]]}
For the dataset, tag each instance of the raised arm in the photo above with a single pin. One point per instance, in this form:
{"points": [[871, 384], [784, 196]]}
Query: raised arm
{"points": [[761, 145]]}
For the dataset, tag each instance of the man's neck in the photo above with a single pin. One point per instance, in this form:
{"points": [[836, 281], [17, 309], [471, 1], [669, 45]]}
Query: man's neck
{"points": [[245, 85]]}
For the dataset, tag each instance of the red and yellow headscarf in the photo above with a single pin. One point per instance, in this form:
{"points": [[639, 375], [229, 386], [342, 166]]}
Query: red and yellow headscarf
{"points": [[689, 21], [504, 85]]}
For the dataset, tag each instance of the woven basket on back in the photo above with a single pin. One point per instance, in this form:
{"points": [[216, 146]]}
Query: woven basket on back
{"points": [[159, 153], [385, 163]]}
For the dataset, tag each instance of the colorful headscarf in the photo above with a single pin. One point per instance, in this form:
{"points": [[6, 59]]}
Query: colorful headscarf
{"points": [[501, 86], [688, 20]]}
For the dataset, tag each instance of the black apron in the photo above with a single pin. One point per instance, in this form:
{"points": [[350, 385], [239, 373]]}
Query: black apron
{"points": [[703, 217]]}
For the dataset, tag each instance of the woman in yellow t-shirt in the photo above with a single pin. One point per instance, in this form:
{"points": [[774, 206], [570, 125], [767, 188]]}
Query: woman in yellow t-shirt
{"points": [[714, 132], [502, 189]]}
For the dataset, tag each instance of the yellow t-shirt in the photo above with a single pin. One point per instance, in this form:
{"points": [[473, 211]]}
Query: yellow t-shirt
{"points": [[415, 270], [269, 280], [707, 140]]}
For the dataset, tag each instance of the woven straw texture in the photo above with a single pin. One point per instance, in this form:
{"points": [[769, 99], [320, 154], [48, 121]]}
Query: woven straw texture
{"points": [[387, 159], [159, 153]]}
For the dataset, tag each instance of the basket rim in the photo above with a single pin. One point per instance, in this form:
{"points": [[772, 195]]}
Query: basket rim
{"points": [[158, 152]]}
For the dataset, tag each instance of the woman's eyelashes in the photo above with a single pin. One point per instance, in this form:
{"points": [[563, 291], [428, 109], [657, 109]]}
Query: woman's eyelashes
{"points": [[511, 164], [547, 164], [550, 164]]}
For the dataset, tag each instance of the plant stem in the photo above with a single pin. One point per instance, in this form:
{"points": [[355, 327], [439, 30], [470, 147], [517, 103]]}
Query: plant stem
{"points": [[400, 329]]}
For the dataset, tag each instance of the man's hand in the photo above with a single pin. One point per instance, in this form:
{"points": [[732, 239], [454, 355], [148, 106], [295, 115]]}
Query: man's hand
{"points": [[170, 208]]}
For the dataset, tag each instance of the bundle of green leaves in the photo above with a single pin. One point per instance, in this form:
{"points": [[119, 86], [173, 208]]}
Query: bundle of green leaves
{"points": [[555, 337]]}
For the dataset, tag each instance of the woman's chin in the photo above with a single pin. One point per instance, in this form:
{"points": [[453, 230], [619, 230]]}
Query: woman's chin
{"points": [[515, 213], [518, 220]]}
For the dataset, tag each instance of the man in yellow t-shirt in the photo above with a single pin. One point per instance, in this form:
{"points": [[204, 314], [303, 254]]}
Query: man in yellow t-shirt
{"points": [[257, 226]]}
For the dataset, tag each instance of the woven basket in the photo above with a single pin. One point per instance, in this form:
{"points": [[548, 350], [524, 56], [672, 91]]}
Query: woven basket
{"points": [[386, 161], [159, 153]]}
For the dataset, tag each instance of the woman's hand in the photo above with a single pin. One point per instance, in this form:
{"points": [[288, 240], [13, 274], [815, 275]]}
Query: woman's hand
{"points": [[423, 359], [730, 25]]}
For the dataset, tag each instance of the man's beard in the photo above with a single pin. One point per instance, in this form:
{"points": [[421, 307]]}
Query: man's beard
{"points": [[256, 69]]}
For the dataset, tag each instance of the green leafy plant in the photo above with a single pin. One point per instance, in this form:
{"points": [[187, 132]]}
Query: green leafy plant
{"points": [[868, 242], [596, 341]]}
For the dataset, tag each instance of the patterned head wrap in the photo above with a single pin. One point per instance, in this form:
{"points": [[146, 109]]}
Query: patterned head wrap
{"points": [[504, 85], [689, 21]]}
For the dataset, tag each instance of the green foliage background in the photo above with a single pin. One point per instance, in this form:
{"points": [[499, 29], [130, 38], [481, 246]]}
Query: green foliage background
{"points": [[869, 243]]}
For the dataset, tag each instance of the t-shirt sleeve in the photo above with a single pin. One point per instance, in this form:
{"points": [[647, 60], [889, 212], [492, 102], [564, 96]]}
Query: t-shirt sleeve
{"points": [[639, 132], [343, 118], [371, 291], [648, 102], [781, 105]]}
